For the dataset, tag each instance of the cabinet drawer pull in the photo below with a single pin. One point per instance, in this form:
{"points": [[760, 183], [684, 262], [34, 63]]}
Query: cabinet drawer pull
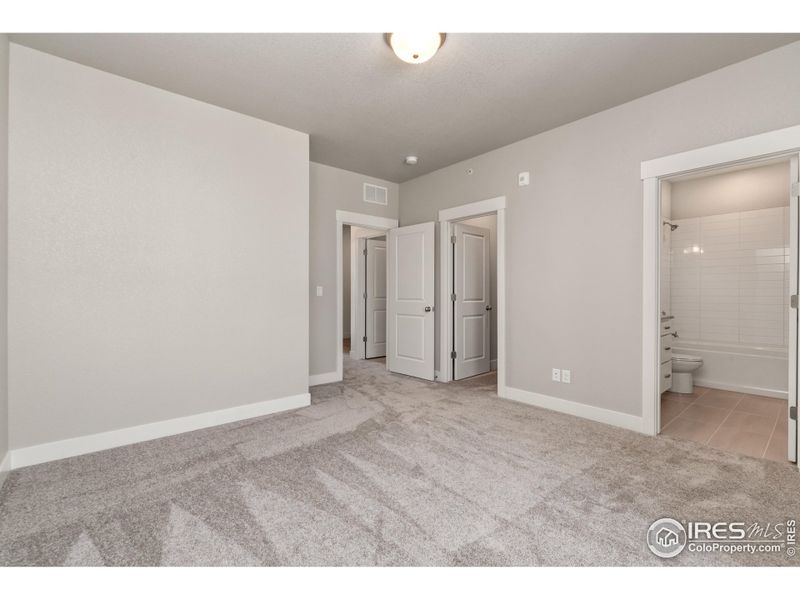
{"points": [[666, 327], [668, 348], [668, 375]]}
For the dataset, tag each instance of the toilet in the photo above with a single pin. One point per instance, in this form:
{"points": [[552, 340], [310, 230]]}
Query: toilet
{"points": [[683, 365]]}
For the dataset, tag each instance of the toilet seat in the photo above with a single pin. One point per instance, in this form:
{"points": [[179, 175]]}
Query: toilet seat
{"points": [[686, 358]]}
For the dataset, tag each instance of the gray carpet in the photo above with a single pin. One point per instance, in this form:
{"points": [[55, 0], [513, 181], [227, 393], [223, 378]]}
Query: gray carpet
{"points": [[387, 470]]}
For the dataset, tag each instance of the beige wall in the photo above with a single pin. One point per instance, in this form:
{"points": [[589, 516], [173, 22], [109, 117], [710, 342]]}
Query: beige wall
{"points": [[574, 235], [158, 254], [333, 189], [3, 249], [748, 189]]}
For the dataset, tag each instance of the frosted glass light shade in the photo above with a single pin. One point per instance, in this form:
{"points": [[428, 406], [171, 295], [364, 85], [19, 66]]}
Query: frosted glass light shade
{"points": [[415, 48]]}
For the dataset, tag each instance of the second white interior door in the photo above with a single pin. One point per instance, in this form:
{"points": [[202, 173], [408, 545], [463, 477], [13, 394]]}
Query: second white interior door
{"points": [[375, 325], [410, 287], [471, 310]]}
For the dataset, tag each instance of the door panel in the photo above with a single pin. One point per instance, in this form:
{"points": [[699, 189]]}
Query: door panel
{"points": [[793, 325], [472, 323], [410, 293], [411, 337], [376, 298], [474, 338]]}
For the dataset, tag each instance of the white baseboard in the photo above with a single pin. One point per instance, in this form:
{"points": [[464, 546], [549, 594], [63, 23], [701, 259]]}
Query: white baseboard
{"points": [[745, 389], [33, 455], [5, 467], [577, 409], [323, 378]]}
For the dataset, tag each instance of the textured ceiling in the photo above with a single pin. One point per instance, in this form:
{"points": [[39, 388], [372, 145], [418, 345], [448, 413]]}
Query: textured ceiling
{"points": [[365, 110]]}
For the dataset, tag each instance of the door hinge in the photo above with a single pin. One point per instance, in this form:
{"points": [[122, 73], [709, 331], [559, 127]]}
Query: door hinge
{"points": [[453, 240], [796, 188], [365, 295], [453, 354], [453, 297], [365, 251], [793, 300], [793, 413], [364, 339]]}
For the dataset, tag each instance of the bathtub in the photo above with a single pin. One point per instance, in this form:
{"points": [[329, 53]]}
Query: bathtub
{"points": [[762, 370]]}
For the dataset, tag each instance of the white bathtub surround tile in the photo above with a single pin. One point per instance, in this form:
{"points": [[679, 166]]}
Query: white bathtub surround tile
{"points": [[729, 277]]}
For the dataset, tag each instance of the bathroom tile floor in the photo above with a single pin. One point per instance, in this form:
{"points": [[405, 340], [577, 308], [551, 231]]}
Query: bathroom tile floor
{"points": [[741, 423]]}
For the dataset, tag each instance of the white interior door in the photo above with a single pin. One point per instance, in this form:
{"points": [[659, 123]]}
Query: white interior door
{"points": [[410, 293], [793, 290], [471, 316], [375, 316]]}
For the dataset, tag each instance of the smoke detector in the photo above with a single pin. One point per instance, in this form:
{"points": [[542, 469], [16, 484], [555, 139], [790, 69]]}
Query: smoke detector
{"points": [[411, 160]]}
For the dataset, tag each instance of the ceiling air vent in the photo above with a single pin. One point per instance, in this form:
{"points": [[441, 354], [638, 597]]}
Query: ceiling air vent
{"points": [[375, 194]]}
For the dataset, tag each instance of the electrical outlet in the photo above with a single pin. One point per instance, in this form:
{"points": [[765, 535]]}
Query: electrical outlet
{"points": [[319, 290], [566, 376], [524, 178], [556, 374]]}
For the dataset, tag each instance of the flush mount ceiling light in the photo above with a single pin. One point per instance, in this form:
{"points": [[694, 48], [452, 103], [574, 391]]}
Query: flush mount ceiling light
{"points": [[410, 160], [415, 48]]}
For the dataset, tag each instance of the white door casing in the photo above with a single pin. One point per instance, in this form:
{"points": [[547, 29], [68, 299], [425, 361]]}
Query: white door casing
{"points": [[472, 322], [343, 218], [359, 321], [794, 182], [410, 306], [375, 315], [448, 217]]}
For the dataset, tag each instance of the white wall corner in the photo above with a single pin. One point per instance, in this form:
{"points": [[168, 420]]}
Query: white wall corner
{"points": [[33, 455], [323, 378], [576, 409], [5, 467]]}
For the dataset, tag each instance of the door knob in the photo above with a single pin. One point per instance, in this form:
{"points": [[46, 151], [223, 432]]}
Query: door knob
{"points": [[488, 307], [428, 309]]}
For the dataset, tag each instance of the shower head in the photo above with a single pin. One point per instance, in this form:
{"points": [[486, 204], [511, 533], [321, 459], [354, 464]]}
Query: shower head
{"points": [[672, 227]]}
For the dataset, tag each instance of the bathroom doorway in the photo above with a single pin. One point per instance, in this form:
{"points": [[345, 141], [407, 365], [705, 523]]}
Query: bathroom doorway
{"points": [[727, 329]]}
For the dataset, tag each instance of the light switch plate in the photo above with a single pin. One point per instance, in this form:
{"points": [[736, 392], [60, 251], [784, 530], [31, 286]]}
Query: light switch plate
{"points": [[556, 374], [566, 376], [319, 290], [524, 178]]}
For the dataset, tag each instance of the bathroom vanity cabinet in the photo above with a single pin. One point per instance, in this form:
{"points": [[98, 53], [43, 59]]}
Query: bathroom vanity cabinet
{"points": [[666, 354]]}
